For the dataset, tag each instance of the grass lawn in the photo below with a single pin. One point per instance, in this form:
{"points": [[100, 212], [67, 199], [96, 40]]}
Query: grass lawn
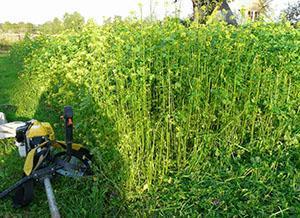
{"points": [[69, 200], [8, 81], [10, 163]]}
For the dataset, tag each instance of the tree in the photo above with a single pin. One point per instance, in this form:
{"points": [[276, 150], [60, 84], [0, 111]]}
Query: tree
{"points": [[20, 27], [202, 9], [292, 13], [264, 7], [52, 27], [227, 13], [73, 21], [57, 26], [7, 27]]}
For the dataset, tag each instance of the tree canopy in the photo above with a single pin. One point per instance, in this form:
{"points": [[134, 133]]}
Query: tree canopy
{"points": [[73, 21], [203, 8], [292, 13], [20, 27]]}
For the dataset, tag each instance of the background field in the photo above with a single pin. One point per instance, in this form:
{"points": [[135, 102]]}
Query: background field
{"points": [[182, 120]]}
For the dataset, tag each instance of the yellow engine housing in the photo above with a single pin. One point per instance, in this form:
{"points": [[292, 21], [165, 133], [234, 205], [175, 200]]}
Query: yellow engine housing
{"points": [[39, 129]]}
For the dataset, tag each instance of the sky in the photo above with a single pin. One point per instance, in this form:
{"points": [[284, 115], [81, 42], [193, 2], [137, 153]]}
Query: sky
{"points": [[40, 11]]}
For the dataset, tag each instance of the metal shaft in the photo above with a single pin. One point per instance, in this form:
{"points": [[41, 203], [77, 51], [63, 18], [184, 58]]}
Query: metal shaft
{"points": [[51, 199]]}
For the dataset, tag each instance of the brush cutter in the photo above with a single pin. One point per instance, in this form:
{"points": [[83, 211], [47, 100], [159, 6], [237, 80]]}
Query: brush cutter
{"points": [[36, 142]]}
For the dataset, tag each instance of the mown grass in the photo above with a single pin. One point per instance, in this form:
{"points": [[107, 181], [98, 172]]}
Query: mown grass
{"points": [[10, 162], [183, 121], [8, 80], [75, 198]]}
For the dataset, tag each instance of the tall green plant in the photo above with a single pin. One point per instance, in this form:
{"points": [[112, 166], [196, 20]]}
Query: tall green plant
{"points": [[201, 102]]}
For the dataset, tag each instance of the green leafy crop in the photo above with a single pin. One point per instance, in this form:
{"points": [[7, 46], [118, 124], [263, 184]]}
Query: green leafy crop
{"points": [[201, 119]]}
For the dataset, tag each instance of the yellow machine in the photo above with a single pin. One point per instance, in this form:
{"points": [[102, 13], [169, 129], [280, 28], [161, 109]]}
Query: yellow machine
{"points": [[47, 157]]}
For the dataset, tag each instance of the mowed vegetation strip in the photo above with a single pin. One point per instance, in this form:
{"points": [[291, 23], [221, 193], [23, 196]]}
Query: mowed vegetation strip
{"points": [[181, 120], [8, 82]]}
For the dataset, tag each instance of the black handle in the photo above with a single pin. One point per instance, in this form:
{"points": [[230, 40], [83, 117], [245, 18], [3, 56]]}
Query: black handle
{"points": [[68, 116]]}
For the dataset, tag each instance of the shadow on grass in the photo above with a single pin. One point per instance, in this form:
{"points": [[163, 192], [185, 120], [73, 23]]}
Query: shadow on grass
{"points": [[101, 194], [8, 82], [97, 196]]}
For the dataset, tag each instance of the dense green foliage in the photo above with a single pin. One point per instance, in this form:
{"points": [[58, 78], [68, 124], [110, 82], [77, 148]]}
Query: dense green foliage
{"points": [[182, 120]]}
